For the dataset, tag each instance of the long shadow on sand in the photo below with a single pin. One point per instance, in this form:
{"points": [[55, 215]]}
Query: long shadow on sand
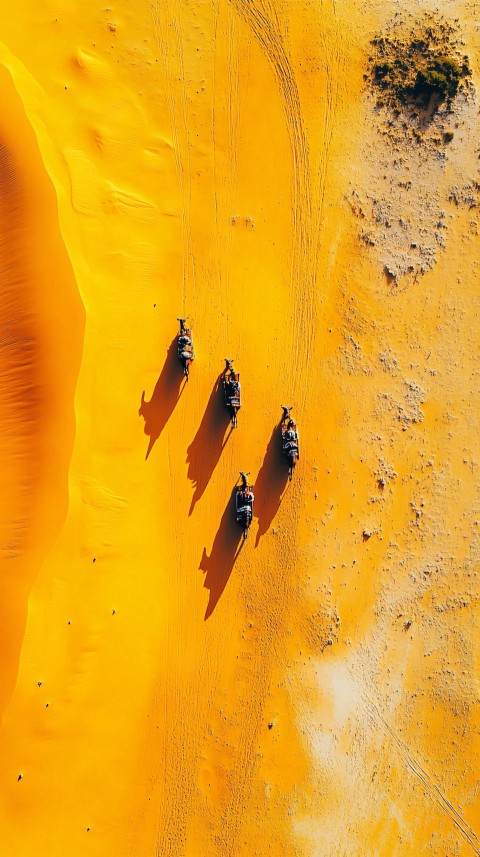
{"points": [[225, 550], [166, 394], [206, 448], [270, 484]]}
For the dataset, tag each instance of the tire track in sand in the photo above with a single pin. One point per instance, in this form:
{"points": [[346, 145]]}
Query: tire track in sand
{"points": [[275, 595], [180, 130], [274, 591], [333, 53], [267, 606], [175, 769], [413, 765], [262, 19], [378, 723]]}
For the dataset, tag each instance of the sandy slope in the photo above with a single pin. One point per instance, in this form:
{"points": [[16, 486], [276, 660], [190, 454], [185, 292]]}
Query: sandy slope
{"points": [[315, 691]]}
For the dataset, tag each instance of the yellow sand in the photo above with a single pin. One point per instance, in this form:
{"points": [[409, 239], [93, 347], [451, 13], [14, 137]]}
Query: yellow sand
{"points": [[313, 692]]}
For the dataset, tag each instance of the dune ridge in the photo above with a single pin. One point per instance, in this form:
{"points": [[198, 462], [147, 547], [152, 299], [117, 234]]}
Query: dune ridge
{"points": [[41, 331]]}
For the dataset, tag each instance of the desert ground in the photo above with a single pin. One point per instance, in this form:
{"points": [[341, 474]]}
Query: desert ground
{"points": [[167, 690]]}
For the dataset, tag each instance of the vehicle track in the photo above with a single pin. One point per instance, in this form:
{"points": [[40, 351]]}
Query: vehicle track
{"points": [[276, 591], [179, 126], [434, 792], [269, 605], [262, 19], [274, 594]]}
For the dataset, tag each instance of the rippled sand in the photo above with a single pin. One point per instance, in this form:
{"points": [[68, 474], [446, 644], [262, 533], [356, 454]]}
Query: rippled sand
{"points": [[167, 691]]}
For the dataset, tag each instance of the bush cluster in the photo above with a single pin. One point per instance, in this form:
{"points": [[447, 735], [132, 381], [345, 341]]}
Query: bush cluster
{"points": [[441, 77], [422, 69]]}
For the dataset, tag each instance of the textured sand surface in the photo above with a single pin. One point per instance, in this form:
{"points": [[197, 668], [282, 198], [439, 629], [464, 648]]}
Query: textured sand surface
{"points": [[166, 691]]}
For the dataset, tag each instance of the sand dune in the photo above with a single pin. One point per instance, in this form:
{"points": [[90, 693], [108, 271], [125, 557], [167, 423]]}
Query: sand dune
{"points": [[166, 688], [42, 326]]}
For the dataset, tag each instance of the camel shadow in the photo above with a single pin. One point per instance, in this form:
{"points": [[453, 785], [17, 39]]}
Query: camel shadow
{"points": [[165, 396], [225, 549], [206, 448], [270, 484]]}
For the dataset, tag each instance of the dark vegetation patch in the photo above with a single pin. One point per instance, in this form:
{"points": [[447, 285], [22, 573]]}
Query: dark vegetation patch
{"points": [[416, 69], [421, 113]]}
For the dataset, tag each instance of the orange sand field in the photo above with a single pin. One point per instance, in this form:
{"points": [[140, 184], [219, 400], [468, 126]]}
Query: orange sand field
{"points": [[166, 692]]}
